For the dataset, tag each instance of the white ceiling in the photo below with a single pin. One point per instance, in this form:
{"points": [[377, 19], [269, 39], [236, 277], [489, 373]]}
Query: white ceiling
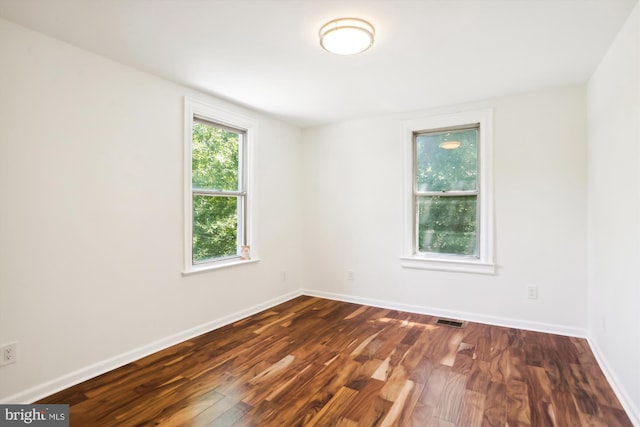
{"points": [[265, 54]]}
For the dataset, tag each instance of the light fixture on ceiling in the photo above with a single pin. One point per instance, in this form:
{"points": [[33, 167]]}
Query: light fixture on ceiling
{"points": [[449, 145], [346, 36]]}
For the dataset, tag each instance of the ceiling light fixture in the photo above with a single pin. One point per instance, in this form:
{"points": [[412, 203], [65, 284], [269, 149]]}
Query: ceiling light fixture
{"points": [[449, 145], [346, 36]]}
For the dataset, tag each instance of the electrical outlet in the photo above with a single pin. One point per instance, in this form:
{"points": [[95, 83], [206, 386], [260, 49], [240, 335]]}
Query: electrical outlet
{"points": [[532, 292], [350, 275], [8, 353]]}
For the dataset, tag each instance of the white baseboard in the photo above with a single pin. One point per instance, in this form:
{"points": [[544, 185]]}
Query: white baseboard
{"points": [[46, 389], [630, 407], [470, 317]]}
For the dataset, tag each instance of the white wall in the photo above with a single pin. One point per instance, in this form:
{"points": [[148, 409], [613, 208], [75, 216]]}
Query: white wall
{"points": [[614, 211], [353, 206], [91, 216]]}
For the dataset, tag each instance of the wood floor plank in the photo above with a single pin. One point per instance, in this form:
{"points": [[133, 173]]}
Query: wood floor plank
{"points": [[449, 406], [539, 389], [367, 393], [375, 411], [518, 406], [565, 409], [479, 376], [401, 406], [495, 410], [319, 362], [414, 357], [472, 409], [435, 386], [333, 410]]}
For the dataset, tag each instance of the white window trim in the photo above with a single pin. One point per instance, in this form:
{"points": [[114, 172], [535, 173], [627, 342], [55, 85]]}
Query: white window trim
{"points": [[485, 264], [233, 120]]}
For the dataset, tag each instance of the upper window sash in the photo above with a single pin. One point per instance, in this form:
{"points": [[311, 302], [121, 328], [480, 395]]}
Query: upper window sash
{"points": [[241, 166]]}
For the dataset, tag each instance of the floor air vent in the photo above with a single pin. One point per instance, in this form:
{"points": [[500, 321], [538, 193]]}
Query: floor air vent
{"points": [[449, 322]]}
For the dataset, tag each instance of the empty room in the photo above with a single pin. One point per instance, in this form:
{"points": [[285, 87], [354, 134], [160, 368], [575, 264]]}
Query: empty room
{"points": [[223, 213]]}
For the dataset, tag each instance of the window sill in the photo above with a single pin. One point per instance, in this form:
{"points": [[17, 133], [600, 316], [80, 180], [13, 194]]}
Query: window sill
{"points": [[218, 265], [459, 266]]}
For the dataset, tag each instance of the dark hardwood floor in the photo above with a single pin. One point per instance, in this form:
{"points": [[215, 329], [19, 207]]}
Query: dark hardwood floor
{"points": [[317, 362]]}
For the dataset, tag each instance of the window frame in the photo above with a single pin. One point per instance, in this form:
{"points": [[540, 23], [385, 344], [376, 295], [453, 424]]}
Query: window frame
{"points": [[195, 110], [484, 263]]}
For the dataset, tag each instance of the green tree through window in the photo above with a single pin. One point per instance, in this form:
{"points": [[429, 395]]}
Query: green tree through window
{"points": [[218, 196]]}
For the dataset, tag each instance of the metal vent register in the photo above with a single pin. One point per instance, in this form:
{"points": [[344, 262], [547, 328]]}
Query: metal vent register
{"points": [[449, 322]]}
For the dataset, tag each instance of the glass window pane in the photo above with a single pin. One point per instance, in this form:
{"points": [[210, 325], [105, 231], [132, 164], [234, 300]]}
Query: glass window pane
{"points": [[215, 227], [442, 169], [447, 225], [214, 156]]}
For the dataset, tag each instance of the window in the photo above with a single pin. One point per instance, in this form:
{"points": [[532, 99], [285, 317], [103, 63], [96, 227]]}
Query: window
{"points": [[216, 186], [449, 224], [446, 191]]}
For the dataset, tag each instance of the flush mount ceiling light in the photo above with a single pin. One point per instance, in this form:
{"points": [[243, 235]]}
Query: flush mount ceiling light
{"points": [[346, 36], [449, 145]]}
